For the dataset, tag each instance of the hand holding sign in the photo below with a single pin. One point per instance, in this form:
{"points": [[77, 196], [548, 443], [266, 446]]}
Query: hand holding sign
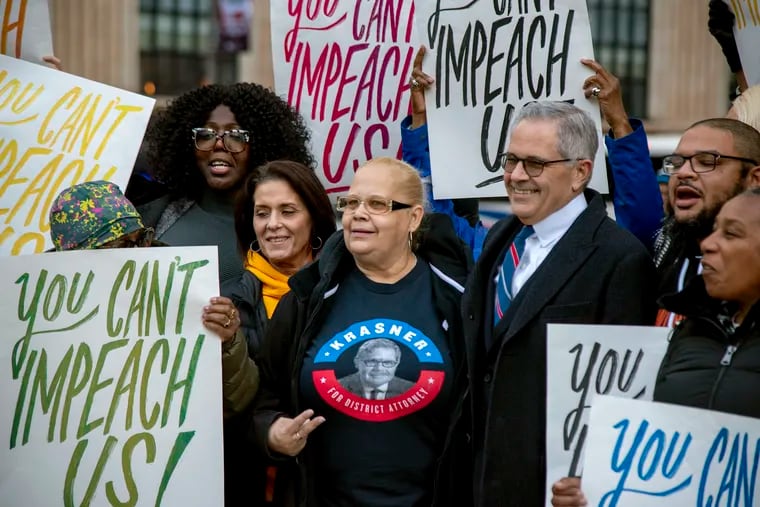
{"points": [[567, 493], [54, 61], [605, 87], [418, 85], [721, 26], [221, 317]]}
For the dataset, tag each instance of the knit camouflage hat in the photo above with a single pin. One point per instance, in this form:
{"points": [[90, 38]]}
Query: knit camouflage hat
{"points": [[91, 214]]}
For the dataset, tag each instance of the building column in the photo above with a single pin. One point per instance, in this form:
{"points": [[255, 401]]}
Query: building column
{"points": [[99, 40], [255, 65], [688, 75]]}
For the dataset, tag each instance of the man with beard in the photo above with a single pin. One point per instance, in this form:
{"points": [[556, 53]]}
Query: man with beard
{"points": [[715, 160]]}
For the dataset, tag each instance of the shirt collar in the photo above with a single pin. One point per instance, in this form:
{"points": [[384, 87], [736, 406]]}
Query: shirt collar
{"points": [[551, 228]]}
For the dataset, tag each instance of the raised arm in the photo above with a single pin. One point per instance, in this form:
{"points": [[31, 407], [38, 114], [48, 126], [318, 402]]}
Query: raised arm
{"points": [[415, 150], [721, 25], [636, 195]]}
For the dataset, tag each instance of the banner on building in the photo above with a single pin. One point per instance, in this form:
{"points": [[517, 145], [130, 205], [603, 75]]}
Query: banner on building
{"points": [[235, 17], [57, 130], [345, 67], [584, 361], [110, 386], [647, 454], [489, 59]]}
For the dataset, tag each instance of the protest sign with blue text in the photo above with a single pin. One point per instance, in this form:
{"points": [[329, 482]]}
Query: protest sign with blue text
{"points": [[648, 454], [57, 130], [489, 59], [110, 386], [582, 362]]}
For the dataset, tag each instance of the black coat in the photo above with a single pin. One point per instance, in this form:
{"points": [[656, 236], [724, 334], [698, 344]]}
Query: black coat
{"points": [[245, 468], [597, 273], [246, 294], [299, 315], [709, 363]]}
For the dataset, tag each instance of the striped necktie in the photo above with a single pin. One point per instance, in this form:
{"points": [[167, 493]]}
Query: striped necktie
{"points": [[506, 271]]}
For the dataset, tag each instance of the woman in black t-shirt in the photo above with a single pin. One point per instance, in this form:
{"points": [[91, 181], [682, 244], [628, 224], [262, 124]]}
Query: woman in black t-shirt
{"points": [[360, 364]]}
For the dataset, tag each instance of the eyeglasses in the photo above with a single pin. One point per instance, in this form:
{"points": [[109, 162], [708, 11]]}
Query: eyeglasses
{"points": [[234, 141], [144, 239], [532, 166], [374, 204], [701, 162], [373, 363]]}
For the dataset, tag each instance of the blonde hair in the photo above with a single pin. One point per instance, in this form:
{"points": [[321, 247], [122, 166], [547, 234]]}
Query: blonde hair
{"points": [[409, 181], [747, 106]]}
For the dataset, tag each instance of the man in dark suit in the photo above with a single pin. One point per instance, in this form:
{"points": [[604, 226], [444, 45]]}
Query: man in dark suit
{"points": [[577, 266], [376, 362]]}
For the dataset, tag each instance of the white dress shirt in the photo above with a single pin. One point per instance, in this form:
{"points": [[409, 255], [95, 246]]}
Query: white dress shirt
{"points": [[547, 233]]}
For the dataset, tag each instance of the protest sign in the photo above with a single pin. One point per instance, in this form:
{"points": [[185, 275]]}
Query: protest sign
{"points": [[25, 29], [57, 130], [110, 387], [747, 35], [489, 59], [647, 454], [586, 360], [345, 67]]}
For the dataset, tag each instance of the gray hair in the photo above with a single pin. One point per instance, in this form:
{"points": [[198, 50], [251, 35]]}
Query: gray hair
{"points": [[369, 346], [577, 135]]}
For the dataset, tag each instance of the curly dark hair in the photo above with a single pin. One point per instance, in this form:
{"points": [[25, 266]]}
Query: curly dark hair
{"points": [[276, 130], [305, 183]]}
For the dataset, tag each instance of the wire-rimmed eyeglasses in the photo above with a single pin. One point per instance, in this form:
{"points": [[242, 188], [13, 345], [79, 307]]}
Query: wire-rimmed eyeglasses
{"points": [[374, 204]]}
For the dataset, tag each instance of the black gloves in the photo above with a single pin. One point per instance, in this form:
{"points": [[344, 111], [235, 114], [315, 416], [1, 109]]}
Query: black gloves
{"points": [[721, 26]]}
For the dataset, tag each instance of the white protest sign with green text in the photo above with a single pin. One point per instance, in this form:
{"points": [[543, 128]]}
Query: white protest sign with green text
{"points": [[110, 386]]}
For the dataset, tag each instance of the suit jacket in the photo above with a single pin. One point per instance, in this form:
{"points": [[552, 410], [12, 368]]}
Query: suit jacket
{"points": [[597, 273], [396, 387]]}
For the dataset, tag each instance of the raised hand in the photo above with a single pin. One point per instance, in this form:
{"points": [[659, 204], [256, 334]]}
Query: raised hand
{"points": [[606, 88], [288, 436]]}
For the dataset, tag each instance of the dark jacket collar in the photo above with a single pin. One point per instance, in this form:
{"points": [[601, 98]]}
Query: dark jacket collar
{"points": [[565, 259]]}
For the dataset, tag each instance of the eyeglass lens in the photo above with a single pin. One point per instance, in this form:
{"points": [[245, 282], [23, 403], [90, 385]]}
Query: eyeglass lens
{"points": [[234, 140], [373, 204]]}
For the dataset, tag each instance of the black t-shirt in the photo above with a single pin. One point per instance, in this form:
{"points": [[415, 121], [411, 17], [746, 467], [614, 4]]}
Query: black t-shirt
{"points": [[381, 373]]}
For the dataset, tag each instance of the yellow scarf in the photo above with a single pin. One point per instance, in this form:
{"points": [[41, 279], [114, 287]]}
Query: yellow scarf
{"points": [[274, 284]]}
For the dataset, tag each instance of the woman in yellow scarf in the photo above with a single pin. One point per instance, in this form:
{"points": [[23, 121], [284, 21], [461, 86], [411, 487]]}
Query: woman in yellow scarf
{"points": [[282, 218]]}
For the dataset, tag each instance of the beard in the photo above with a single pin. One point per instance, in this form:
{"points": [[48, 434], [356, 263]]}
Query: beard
{"points": [[686, 235], [692, 230]]}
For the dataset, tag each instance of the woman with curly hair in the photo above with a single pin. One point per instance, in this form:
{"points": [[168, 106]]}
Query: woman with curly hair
{"points": [[202, 147]]}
